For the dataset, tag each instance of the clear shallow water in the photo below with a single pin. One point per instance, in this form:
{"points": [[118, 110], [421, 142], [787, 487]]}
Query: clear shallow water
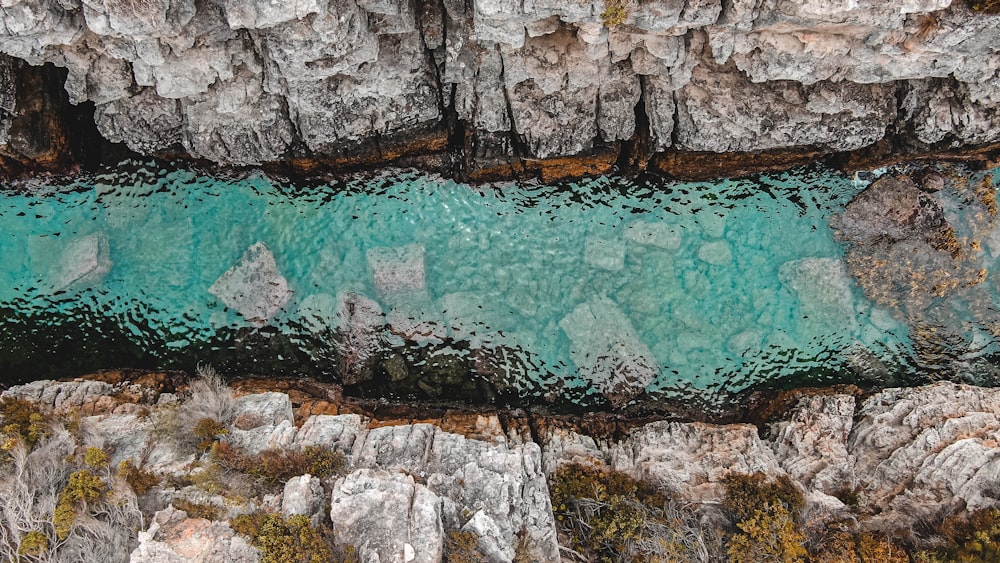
{"points": [[715, 286]]}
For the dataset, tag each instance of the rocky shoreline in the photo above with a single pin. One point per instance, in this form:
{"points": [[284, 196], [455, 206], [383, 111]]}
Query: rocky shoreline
{"points": [[489, 90], [892, 463]]}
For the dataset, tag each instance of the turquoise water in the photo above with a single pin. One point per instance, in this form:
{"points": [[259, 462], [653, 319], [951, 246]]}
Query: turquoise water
{"points": [[702, 283]]}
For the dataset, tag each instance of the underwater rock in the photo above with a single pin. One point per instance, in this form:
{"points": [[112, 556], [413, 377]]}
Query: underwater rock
{"points": [[901, 249], [253, 287], [397, 270], [823, 288], [894, 207], [607, 350], [667, 237], [716, 253], [84, 262], [360, 323], [604, 254]]}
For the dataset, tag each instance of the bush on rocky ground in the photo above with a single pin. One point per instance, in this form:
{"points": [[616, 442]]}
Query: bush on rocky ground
{"points": [[291, 540], [57, 505], [609, 516]]}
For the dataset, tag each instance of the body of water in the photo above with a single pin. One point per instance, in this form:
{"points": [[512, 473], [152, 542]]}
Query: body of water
{"points": [[605, 289]]}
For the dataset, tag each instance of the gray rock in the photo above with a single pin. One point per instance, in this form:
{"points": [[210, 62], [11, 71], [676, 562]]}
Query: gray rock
{"points": [[8, 95], [332, 432], [248, 82], [61, 397], [262, 421], [253, 287], [692, 459], [506, 483], [146, 122], [946, 110], [811, 445], [713, 113], [303, 495], [607, 350], [926, 449], [388, 516], [172, 537]]}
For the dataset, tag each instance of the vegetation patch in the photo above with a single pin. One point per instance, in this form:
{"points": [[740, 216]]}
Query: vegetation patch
{"points": [[462, 547], [609, 516], [288, 540], [140, 479], [198, 509], [615, 13], [21, 420], [279, 465], [985, 6], [764, 511], [972, 538]]}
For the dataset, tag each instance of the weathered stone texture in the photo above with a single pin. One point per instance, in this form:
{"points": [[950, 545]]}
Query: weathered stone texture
{"points": [[248, 82]]}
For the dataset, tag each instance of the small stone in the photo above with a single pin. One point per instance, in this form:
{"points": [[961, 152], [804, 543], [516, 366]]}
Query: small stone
{"points": [[716, 253], [397, 269], [606, 254], [667, 237]]}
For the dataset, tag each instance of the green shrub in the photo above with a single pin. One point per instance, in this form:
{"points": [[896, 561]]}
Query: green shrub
{"points": [[21, 419], [613, 517], [84, 487], [141, 480], [286, 540], [208, 430], [33, 543], [323, 462], [198, 509], [96, 458], [745, 494], [769, 534], [970, 539], [279, 465], [615, 13], [985, 6]]}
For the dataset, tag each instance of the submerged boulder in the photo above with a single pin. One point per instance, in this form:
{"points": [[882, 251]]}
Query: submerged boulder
{"points": [[81, 262], [607, 350], [253, 287]]}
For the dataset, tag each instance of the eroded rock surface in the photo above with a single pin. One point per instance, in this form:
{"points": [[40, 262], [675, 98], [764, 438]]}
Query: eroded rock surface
{"points": [[256, 81], [911, 455], [173, 537]]}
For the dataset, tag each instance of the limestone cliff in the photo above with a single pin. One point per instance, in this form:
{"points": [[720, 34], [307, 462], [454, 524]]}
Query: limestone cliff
{"points": [[494, 82]]}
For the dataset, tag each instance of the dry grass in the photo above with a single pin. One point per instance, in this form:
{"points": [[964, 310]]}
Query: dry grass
{"points": [[35, 484]]}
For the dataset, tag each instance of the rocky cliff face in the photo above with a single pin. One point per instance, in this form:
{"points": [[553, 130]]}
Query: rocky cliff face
{"points": [[494, 81], [907, 457]]}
